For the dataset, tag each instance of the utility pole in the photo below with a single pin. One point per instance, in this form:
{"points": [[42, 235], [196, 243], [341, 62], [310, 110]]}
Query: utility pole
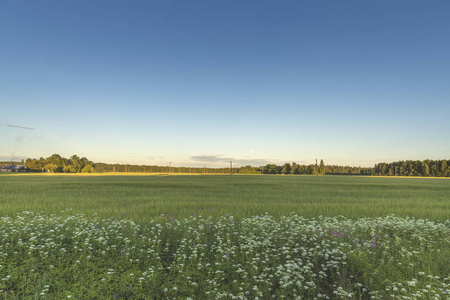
{"points": [[231, 168]]}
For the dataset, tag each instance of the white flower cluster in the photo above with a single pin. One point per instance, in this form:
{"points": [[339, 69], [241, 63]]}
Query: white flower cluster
{"points": [[253, 258]]}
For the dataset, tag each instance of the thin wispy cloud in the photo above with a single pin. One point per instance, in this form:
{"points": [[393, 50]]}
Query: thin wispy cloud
{"points": [[154, 157], [236, 161], [18, 126], [211, 158]]}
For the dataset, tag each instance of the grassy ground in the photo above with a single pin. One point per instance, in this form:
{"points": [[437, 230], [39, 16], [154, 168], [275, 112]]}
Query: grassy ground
{"points": [[145, 197], [215, 241]]}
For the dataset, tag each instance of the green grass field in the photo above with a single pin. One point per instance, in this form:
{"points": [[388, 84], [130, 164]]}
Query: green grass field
{"points": [[224, 237], [145, 197]]}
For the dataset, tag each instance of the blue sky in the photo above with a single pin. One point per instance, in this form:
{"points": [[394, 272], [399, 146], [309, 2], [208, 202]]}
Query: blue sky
{"points": [[203, 82]]}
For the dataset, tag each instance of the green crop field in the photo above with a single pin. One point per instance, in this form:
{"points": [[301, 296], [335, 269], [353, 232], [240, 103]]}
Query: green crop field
{"points": [[145, 197], [224, 237]]}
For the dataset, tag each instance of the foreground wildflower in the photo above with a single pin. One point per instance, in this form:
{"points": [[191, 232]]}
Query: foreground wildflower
{"points": [[261, 257]]}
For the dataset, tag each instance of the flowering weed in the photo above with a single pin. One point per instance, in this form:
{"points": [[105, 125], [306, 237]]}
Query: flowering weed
{"points": [[73, 256]]}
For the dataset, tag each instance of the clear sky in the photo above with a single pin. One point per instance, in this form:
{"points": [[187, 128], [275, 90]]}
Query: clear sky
{"points": [[204, 82]]}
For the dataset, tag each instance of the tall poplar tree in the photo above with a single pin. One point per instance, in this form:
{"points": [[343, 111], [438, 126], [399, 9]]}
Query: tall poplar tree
{"points": [[322, 167]]}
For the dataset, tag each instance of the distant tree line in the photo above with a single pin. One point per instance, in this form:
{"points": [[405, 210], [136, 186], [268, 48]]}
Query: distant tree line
{"points": [[426, 168], [57, 164], [103, 168], [74, 164], [286, 169], [312, 169]]}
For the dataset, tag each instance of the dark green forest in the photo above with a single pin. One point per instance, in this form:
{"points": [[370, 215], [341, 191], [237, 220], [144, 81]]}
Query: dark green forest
{"points": [[57, 164], [74, 164], [426, 168]]}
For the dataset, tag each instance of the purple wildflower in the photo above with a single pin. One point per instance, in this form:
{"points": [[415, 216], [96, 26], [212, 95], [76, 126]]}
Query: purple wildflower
{"points": [[173, 218], [373, 244], [228, 255], [378, 236], [192, 214], [203, 208], [207, 224], [193, 246], [210, 210], [124, 213], [115, 220], [228, 216], [231, 222], [95, 225]]}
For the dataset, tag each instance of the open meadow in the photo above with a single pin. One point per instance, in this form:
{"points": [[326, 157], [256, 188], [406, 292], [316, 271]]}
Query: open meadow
{"points": [[224, 237], [144, 197]]}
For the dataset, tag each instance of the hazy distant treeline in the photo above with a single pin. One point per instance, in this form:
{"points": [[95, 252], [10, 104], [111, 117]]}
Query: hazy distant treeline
{"points": [[427, 168], [267, 169], [74, 164], [58, 164], [102, 168]]}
